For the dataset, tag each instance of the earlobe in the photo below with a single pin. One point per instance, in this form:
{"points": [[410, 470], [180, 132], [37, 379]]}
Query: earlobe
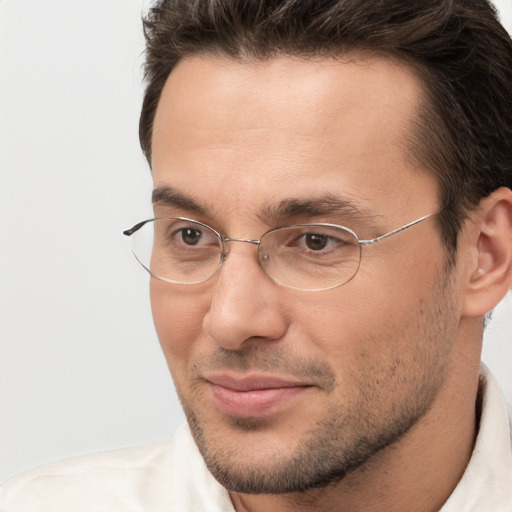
{"points": [[490, 273]]}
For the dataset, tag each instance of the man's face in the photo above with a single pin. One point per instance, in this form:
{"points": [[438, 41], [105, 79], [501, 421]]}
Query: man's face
{"points": [[287, 389]]}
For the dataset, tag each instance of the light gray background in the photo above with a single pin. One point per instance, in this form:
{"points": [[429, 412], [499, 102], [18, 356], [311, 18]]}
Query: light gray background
{"points": [[80, 366]]}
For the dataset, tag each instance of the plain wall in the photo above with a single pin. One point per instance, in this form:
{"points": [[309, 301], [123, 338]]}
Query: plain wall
{"points": [[80, 366]]}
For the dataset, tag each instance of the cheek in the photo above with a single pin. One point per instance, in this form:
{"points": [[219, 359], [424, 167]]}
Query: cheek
{"points": [[374, 320], [178, 314]]}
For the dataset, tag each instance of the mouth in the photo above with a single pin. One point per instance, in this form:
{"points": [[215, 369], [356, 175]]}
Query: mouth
{"points": [[254, 395]]}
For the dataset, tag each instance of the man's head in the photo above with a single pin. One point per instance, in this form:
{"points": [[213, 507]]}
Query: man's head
{"points": [[265, 122]]}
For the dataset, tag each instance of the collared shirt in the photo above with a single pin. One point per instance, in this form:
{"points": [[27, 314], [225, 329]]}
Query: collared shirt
{"points": [[171, 475]]}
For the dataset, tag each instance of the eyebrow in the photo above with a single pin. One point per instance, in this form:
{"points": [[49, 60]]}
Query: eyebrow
{"points": [[168, 196], [343, 207]]}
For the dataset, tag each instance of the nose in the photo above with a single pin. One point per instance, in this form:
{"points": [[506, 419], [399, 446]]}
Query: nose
{"points": [[245, 304]]}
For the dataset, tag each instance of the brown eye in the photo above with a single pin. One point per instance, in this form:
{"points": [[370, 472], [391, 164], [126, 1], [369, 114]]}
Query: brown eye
{"points": [[315, 242], [191, 236]]}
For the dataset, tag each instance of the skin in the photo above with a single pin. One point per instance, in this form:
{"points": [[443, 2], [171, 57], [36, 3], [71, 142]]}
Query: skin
{"points": [[390, 358]]}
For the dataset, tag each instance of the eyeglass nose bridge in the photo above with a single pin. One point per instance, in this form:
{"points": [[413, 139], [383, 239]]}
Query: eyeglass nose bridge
{"points": [[224, 254]]}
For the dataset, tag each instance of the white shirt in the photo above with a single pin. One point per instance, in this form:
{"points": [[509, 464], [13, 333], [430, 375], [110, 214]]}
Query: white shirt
{"points": [[171, 475]]}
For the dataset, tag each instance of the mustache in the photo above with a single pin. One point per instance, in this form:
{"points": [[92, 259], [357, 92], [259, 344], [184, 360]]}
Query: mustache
{"points": [[258, 359]]}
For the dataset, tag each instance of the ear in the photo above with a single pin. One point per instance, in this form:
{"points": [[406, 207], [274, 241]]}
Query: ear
{"points": [[489, 272]]}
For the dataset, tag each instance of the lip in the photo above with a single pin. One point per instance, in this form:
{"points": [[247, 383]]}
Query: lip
{"points": [[253, 395]]}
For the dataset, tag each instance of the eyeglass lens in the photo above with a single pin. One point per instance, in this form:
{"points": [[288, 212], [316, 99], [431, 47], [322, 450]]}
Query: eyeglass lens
{"points": [[306, 257]]}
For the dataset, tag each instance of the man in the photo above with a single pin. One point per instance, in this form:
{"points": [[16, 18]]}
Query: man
{"points": [[333, 223]]}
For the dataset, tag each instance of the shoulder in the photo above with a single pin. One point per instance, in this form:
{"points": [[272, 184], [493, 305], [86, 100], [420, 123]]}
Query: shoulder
{"points": [[108, 478], [147, 477]]}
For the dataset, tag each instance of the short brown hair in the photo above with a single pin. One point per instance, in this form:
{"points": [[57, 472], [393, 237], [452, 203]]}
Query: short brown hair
{"points": [[458, 47]]}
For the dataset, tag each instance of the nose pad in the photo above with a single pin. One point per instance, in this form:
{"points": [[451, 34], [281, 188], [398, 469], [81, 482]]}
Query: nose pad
{"points": [[225, 252]]}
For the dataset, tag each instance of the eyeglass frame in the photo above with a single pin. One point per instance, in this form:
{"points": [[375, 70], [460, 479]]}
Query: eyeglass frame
{"points": [[224, 253]]}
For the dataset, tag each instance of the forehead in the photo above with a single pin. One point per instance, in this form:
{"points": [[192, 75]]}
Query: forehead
{"points": [[287, 124]]}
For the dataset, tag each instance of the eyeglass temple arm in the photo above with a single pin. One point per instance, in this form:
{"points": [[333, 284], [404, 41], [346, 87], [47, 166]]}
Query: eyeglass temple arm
{"points": [[395, 231], [135, 228]]}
